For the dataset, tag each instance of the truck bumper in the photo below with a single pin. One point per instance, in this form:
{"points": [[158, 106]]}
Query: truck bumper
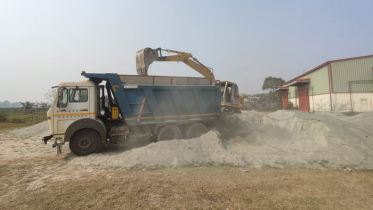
{"points": [[47, 138]]}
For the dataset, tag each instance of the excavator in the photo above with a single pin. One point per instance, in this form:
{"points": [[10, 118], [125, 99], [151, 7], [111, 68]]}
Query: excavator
{"points": [[231, 101]]}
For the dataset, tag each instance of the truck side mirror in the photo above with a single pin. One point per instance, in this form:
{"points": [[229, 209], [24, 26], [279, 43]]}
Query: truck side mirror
{"points": [[62, 97]]}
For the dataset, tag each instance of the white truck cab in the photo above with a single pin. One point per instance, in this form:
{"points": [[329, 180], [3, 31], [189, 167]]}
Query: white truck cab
{"points": [[74, 101]]}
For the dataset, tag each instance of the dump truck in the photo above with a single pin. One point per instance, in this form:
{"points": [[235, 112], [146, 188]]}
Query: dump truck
{"points": [[161, 107], [109, 108]]}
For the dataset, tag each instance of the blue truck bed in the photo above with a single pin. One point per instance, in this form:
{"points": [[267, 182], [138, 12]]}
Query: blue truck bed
{"points": [[194, 100]]}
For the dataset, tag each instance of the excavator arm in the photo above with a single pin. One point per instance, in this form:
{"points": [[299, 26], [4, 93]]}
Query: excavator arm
{"points": [[230, 98], [147, 56]]}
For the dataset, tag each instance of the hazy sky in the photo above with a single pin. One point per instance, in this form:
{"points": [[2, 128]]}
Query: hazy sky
{"points": [[45, 42]]}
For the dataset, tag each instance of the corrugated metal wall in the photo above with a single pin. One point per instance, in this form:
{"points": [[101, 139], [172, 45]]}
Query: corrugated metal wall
{"points": [[364, 86], [319, 82], [291, 92], [352, 70]]}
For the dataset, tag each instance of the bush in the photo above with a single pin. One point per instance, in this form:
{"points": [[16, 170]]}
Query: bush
{"points": [[19, 121], [290, 106], [3, 118], [350, 113]]}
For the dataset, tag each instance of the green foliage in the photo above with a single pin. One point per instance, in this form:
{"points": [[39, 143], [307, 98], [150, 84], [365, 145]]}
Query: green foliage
{"points": [[44, 105], [7, 125], [3, 118], [350, 113], [272, 83], [244, 95], [275, 97], [18, 117], [264, 103], [27, 105], [252, 105], [290, 106]]}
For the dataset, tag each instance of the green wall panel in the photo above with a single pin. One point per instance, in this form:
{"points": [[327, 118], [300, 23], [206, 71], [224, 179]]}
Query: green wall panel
{"points": [[352, 70], [319, 82]]}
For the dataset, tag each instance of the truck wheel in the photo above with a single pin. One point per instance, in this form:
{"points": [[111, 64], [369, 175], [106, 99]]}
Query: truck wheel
{"points": [[169, 132], [85, 142], [195, 130]]}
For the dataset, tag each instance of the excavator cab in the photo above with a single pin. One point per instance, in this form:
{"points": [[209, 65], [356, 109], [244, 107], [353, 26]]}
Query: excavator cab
{"points": [[230, 97]]}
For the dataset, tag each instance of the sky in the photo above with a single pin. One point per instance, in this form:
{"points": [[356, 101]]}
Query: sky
{"points": [[43, 43]]}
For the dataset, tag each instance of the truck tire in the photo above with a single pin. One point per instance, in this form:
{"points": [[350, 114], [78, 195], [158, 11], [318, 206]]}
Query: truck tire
{"points": [[85, 142], [195, 130], [169, 132]]}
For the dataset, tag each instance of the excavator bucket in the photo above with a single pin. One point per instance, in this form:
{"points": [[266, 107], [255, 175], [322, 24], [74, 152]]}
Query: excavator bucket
{"points": [[144, 58]]}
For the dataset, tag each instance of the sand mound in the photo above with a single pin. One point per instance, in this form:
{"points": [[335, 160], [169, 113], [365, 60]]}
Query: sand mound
{"points": [[278, 139], [38, 129], [208, 148], [26, 142]]}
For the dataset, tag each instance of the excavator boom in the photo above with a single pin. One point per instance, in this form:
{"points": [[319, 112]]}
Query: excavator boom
{"points": [[147, 56]]}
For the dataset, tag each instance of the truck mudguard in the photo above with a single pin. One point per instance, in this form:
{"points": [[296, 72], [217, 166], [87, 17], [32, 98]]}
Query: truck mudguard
{"points": [[86, 123]]}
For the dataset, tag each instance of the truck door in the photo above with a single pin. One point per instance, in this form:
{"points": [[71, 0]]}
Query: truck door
{"points": [[73, 104]]}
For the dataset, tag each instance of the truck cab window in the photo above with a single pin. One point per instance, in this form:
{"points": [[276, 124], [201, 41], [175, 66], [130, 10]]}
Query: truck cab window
{"points": [[78, 95]]}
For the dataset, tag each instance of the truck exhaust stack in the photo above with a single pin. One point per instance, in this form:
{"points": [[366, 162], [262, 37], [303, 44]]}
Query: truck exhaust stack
{"points": [[144, 58]]}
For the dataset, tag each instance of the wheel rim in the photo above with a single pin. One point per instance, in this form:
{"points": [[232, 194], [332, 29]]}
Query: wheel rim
{"points": [[196, 130], [169, 132], [84, 143], [198, 133], [169, 135]]}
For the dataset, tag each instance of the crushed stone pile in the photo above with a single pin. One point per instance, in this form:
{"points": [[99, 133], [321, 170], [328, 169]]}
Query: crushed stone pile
{"points": [[26, 143], [282, 138], [37, 129]]}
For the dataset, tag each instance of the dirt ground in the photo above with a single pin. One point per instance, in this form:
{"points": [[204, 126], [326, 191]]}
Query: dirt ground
{"points": [[33, 177], [49, 183]]}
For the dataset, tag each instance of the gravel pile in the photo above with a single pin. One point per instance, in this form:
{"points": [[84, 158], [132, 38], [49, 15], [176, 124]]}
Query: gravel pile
{"points": [[277, 139]]}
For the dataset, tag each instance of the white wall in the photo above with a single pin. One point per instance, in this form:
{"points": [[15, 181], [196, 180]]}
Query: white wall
{"points": [[341, 102], [320, 102], [317, 102], [362, 102]]}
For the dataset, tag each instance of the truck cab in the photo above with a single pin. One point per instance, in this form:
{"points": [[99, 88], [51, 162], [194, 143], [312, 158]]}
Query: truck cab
{"points": [[74, 101], [75, 107]]}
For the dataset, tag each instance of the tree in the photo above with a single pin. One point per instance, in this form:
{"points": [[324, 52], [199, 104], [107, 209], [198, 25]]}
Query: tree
{"points": [[271, 84], [5, 104], [43, 105], [27, 105], [50, 95]]}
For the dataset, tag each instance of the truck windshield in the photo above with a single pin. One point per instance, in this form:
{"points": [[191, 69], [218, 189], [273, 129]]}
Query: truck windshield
{"points": [[78, 95]]}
